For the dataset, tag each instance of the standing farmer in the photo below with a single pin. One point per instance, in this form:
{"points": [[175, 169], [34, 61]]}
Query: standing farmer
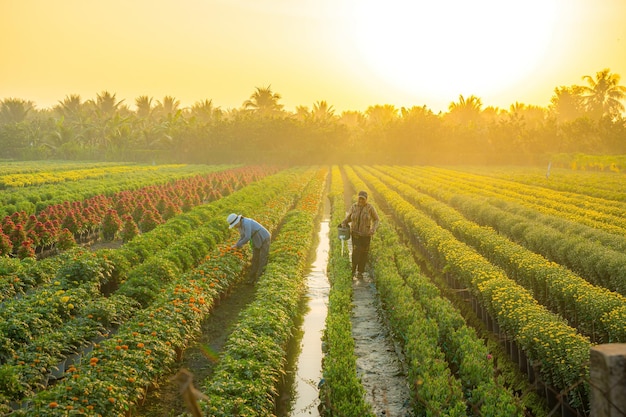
{"points": [[365, 220], [251, 230]]}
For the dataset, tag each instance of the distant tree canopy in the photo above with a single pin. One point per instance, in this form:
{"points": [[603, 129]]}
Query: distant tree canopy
{"points": [[588, 118]]}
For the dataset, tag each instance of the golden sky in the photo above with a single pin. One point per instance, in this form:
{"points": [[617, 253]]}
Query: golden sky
{"points": [[350, 53]]}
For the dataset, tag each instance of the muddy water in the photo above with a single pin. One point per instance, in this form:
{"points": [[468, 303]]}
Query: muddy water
{"points": [[307, 368]]}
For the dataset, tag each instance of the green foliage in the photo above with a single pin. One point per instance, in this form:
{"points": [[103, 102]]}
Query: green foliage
{"points": [[84, 267]]}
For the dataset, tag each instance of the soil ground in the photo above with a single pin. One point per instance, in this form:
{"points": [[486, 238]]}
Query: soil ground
{"points": [[166, 401], [379, 363]]}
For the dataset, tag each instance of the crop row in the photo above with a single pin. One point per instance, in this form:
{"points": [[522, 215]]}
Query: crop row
{"points": [[595, 255], [449, 366], [34, 199], [598, 213], [26, 167], [608, 186], [253, 359], [558, 350], [595, 311], [122, 215], [157, 257], [77, 174], [282, 189], [341, 391]]}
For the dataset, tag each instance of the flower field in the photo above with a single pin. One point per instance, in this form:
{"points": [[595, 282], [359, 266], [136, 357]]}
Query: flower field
{"points": [[494, 282]]}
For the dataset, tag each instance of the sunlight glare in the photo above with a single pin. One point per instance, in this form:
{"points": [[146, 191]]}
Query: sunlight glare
{"points": [[451, 47]]}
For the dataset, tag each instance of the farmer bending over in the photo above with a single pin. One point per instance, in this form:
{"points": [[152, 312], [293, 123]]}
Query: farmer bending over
{"points": [[252, 231]]}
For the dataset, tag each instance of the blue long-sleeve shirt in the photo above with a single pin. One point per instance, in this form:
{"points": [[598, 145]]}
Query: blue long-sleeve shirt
{"points": [[251, 229]]}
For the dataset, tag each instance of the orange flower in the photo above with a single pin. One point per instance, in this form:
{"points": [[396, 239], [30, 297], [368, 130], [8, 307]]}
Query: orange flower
{"points": [[140, 345], [53, 404], [111, 400]]}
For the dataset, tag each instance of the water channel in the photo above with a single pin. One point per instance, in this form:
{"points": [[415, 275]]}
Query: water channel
{"points": [[306, 369]]}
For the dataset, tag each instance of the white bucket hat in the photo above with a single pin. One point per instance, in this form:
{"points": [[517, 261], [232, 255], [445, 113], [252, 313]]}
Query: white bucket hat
{"points": [[233, 219]]}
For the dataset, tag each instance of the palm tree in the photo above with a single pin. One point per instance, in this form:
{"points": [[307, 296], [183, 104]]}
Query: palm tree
{"points": [[70, 108], [264, 102], [143, 105], [322, 111], [352, 119], [466, 110], [204, 111], [169, 105], [603, 95], [15, 110], [567, 103], [105, 104], [381, 115], [302, 113]]}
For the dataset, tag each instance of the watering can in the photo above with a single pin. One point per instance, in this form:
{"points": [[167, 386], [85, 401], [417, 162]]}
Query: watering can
{"points": [[344, 234]]}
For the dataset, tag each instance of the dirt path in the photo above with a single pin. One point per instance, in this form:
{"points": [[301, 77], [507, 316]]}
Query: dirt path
{"points": [[378, 363], [166, 401]]}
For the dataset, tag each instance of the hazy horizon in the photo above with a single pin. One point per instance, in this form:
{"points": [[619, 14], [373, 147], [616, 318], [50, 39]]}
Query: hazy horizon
{"points": [[351, 54]]}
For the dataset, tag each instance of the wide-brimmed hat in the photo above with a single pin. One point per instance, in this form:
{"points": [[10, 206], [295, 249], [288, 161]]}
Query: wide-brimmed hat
{"points": [[233, 219]]}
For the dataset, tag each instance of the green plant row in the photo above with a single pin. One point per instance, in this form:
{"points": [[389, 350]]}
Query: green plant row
{"points": [[593, 208], [286, 187], [80, 173], [145, 281], [584, 162], [24, 319], [589, 308], [594, 212], [181, 238], [15, 279], [596, 255], [341, 391], [134, 252], [607, 186], [34, 199], [26, 167], [112, 378], [558, 350], [20, 275], [250, 367], [435, 337]]}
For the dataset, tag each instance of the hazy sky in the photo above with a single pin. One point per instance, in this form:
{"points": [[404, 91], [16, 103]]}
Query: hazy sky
{"points": [[351, 53]]}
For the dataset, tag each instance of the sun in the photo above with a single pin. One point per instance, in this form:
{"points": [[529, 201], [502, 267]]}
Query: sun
{"points": [[445, 48]]}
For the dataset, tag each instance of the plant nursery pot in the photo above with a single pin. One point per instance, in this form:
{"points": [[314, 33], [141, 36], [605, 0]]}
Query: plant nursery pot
{"points": [[59, 370]]}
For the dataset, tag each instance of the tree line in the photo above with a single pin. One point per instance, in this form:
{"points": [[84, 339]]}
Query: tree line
{"points": [[586, 118]]}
